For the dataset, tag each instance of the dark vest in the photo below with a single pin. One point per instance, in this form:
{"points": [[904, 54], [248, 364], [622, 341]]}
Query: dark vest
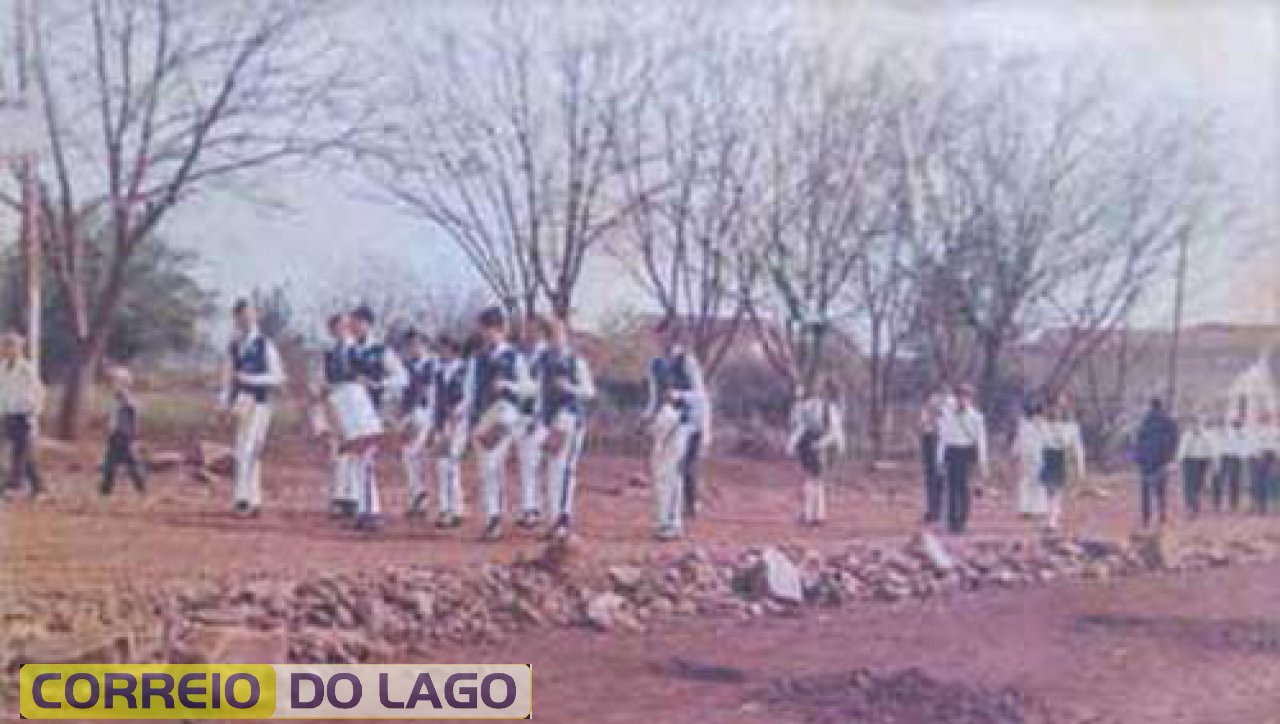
{"points": [[451, 388], [492, 369], [671, 374], [422, 374], [370, 362], [337, 365], [250, 359], [537, 367], [558, 366]]}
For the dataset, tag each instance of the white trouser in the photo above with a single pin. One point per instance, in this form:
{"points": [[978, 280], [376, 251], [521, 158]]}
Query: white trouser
{"points": [[500, 421], [529, 442], [251, 435], [814, 500], [343, 489], [366, 475], [671, 440], [1054, 506], [413, 452], [449, 468], [562, 470]]}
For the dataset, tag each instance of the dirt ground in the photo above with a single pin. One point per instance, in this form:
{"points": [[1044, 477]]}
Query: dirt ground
{"points": [[1191, 650], [1202, 648]]}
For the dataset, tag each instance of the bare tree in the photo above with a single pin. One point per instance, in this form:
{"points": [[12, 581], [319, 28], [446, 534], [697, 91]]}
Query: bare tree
{"points": [[688, 161], [827, 192], [147, 104], [1039, 200], [505, 142]]}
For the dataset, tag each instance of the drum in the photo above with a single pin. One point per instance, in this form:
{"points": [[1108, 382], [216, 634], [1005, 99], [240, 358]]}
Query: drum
{"points": [[496, 424], [357, 419]]}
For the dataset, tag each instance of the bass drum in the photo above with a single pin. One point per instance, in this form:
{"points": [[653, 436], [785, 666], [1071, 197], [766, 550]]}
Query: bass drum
{"points": [[358, 421]]}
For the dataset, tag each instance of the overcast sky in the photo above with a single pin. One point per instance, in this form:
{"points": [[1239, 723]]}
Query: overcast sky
{"points": [[1223, 54]]}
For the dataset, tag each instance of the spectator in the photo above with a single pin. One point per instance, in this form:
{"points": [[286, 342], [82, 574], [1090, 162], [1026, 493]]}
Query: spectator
{"points": [[1156, 447], [21, 397]]}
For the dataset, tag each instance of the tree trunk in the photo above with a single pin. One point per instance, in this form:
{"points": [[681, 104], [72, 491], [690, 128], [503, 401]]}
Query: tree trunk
{"points": [[77, 390], [989, 383], [876, 413]]}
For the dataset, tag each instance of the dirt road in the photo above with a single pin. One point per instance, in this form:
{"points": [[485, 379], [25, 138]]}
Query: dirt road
{"points": [[1191, 650], [183, 530]]}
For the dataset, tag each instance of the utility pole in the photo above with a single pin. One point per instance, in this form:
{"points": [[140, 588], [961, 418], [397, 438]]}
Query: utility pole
{"points": [[31, 257], [19, 146], [1179, 289]]}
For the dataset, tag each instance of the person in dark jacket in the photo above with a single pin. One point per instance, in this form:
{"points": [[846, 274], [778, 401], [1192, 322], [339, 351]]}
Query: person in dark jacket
{"points": [[122, 433], [1155, 448]]}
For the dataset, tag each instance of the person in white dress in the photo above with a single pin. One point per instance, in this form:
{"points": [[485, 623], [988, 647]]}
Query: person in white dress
{"points": [[1033, 501]]}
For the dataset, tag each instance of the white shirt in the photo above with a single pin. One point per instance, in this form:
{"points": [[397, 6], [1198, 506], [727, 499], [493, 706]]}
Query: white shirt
{"points": [[1065, 435], [1232, 442], [1196, 444], [21, 392], [814, 414], [963, 428]]}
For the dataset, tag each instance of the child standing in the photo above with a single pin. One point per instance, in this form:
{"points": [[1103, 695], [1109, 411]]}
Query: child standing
{"points": [[817, 434], [122, 432], [21, 399]]}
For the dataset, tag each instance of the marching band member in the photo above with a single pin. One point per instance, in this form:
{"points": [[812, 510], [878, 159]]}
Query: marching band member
{"points": [[679, 419], [416, 418], [566, 389], [531, 434], [817, 433], [380, 371], [497, 378], [338, 370], [250, 378], [449, 432]]}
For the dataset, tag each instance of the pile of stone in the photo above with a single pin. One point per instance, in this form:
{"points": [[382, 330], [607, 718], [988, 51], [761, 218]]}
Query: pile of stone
{"points": [[386, 615]]}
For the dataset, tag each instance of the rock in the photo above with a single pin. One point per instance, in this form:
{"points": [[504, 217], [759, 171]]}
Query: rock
{"points": [[780, 576], [605, 609], [1099, 548], [231, 616], [626, 579], [231, 645], [162, 461], [1153, 550], [523, 610], [214, 457], [933, 552], [1096, 571], [109, 649]]}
